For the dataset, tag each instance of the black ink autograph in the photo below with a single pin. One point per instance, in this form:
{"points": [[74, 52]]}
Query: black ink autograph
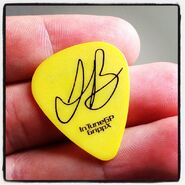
{"points": [[89, 102]]}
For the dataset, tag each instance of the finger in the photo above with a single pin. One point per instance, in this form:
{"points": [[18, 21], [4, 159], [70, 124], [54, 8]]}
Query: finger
{"points": [[148, 152], [154, 94], [31, 39], [153, 99], [26, 124]]}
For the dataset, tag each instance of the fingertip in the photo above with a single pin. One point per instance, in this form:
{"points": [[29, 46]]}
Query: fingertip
{"points": [[130, 41]]}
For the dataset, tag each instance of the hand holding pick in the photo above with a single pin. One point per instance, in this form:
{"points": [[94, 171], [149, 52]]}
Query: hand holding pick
{"points": [[36, 149]]}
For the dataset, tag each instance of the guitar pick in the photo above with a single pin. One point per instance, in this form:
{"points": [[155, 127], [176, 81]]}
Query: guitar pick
{"points": [[84, 91]]}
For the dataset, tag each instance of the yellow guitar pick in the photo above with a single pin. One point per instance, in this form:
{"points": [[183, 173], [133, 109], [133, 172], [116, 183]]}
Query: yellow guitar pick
{"points": [[84, 91]]}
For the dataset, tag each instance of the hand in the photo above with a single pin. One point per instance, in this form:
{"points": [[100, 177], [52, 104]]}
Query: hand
{"points": [[37, 150]]}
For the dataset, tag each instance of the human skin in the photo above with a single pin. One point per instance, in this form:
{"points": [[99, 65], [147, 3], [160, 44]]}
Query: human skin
{"points": [[37, 150]]}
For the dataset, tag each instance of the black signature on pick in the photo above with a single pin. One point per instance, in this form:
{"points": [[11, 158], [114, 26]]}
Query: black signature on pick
{"points": [[89, 102]]}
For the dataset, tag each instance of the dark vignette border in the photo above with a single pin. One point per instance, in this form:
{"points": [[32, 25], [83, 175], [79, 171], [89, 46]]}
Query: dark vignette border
{"points": [[89, 4]]}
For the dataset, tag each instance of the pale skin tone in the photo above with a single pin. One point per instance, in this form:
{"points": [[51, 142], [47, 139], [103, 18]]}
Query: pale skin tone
{"points": [[36, 150]]}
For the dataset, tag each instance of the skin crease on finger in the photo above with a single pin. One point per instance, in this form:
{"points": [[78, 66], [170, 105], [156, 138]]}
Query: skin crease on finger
{"points": [[153, 99], [147, 152], [38, 37]]}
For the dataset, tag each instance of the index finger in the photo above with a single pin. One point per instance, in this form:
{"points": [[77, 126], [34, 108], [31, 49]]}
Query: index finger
{"points": [[31, 39]]}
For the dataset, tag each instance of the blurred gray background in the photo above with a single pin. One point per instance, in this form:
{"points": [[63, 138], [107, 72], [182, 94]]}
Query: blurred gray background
{"points": [[157, 25]]}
